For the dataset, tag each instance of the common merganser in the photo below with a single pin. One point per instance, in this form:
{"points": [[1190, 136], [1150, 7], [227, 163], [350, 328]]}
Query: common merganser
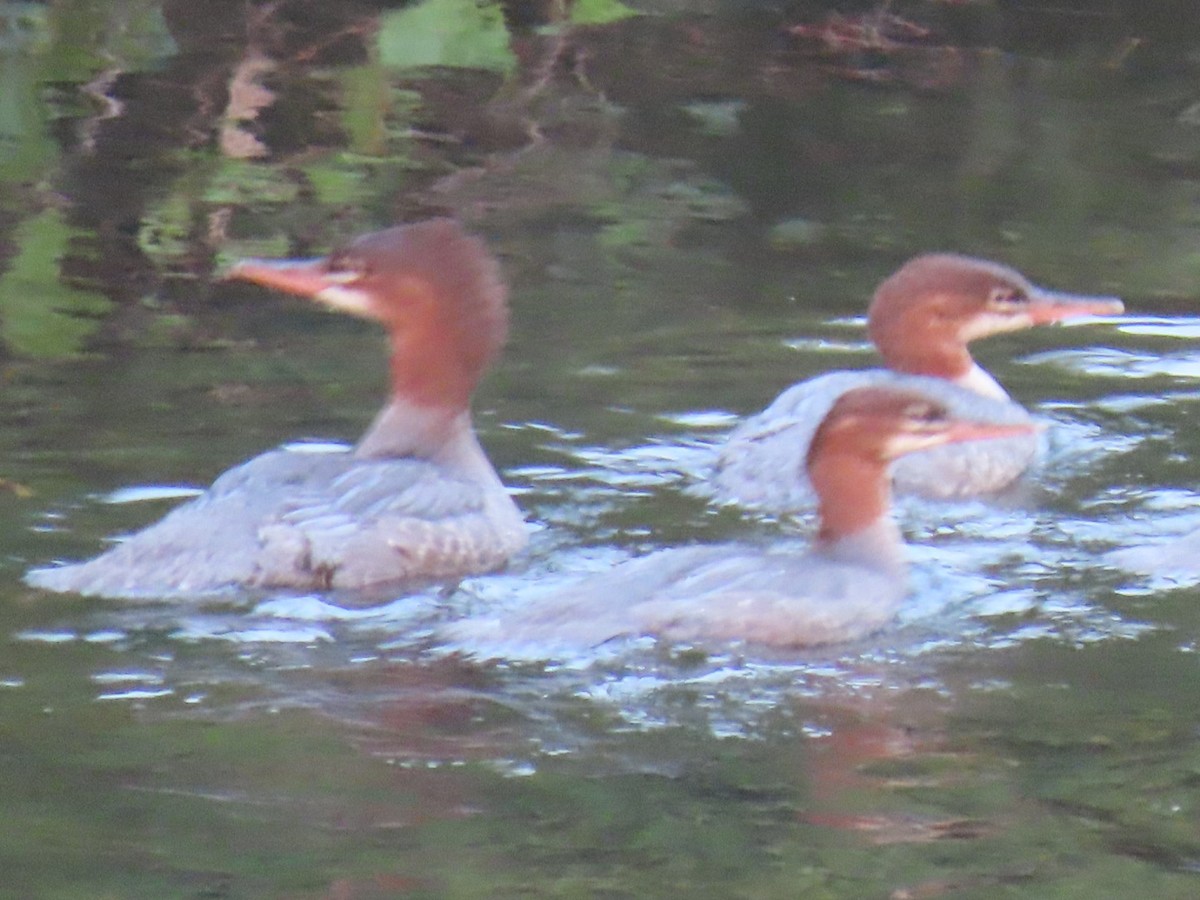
{"points": [[415, 500], [849, 584], [921, 319]]}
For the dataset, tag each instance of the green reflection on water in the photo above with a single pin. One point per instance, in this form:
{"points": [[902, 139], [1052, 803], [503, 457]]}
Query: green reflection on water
{"points": [[636, 233], [39, 314], [446, 33]]}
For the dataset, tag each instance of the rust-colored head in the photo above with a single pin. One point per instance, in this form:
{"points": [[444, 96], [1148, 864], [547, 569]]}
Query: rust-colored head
{"points": [[883, 423], [436, 289], [862, 433], [924, 314]]}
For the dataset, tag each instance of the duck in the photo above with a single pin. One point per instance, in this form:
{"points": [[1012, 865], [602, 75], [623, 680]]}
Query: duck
{"points": [[416, 500], [921, 319], [849, 583]]}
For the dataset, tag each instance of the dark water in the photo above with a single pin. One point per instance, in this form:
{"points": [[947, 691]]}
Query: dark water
{"points": [[692, 207]]}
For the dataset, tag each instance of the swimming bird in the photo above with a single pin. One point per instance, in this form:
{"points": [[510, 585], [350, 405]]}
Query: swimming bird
{"points": [[415, 500], [850, 583], [921, 320]]}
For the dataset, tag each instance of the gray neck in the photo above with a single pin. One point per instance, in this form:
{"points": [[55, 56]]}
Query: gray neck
{"points": [[879, 546], [440, 435], [981, 382]]}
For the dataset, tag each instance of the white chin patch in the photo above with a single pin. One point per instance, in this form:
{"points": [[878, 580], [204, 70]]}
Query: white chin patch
{"points": [[347, 299], [981, 383], [993, 323], [906, 442]]}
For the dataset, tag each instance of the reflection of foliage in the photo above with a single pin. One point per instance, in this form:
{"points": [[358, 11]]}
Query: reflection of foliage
{"points": [[446, 33], [376, 116], [87, 37], [192, 205], [21, 25], [364, 108], [239, 206], [642, 202], [235, 181], [653, 200], [599, 12], [24, 148], [166, 227], [41, 315], [716, 118], [247, 97]]}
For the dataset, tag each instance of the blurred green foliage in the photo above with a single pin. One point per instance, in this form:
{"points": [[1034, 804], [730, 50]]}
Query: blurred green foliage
{"points": [[599, 12], [460, 33], [40, 315]]}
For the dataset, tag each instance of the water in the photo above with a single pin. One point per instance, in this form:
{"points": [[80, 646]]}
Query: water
{"points": [[692, 209]]}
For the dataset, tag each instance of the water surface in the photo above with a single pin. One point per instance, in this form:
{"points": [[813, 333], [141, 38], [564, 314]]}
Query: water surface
{"points": [[692, 206]]}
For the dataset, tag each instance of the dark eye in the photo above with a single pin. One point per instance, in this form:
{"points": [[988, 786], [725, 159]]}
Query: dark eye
{"points": [[344, 268], [1008, 297], [929, 413]]}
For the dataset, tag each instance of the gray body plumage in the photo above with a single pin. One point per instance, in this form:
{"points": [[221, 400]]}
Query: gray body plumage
{"points": [[782, 596], [761, 465], [309, 520], [416, 500]]}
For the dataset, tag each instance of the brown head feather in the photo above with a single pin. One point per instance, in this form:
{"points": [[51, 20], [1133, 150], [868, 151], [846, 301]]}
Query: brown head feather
{"points": [[441, 296]]}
